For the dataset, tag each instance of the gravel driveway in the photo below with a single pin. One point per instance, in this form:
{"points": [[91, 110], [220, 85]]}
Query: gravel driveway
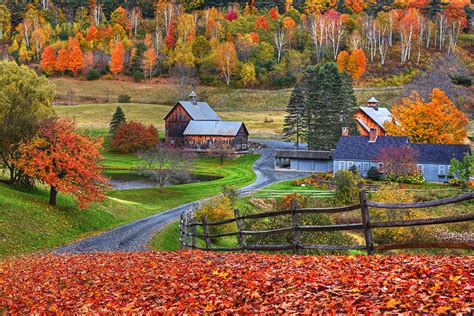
{"points": [[136, 235]]}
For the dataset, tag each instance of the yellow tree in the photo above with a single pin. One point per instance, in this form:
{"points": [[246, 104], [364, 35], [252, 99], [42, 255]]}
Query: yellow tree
{"points": [[311, 6], [183, 62], [226, 60], [186, 27], [149, 62], [437, 121]]}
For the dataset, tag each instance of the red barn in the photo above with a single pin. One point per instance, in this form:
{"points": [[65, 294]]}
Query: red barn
{"points": [[372, 117], [194, 125]]}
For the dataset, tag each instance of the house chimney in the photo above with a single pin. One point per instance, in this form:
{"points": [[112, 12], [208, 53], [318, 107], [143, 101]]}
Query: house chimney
{"points": [[345, 131], [193, 97], [373, 103], [373, 135]]}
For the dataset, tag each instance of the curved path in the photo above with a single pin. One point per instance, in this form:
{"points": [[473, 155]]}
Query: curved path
{"points": [[136, 235]]}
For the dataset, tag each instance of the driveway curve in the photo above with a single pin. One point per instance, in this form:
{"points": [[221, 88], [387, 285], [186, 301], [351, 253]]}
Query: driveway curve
{"points": [[135, 236]]}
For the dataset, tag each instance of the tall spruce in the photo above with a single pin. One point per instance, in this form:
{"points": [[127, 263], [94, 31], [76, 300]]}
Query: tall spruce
{"points": [[330, 105], [117, 119], [294, 129], [434, 7]]}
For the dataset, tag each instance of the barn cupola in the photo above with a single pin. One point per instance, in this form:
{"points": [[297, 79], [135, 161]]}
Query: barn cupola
{"points": [[373, 103], [193, 97]]}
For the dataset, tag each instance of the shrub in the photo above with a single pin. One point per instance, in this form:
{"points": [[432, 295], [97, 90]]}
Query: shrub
{"points": [[138, 75], [230, 192], [93, 75], [216, 209], [133, 136], [124, 98], [411, 179], [373, 174], [392, 194], [461, 80], [347, 191]]}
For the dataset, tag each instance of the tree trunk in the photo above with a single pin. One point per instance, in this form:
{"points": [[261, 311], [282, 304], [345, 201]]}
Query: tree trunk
{"points": [[222, 160], [52, 196]]}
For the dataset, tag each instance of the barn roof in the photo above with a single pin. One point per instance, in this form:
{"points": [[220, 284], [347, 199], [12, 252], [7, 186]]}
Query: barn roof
{"points": [[440, 153], [200, 111], [304, 154], [373, 100], [359, 147], [213, 128], [379, 116]]}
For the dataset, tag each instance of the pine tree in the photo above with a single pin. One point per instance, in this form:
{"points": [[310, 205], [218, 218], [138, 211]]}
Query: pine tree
{"points": [[330, 105], [294, 129], [434, 7], [117, 119]]}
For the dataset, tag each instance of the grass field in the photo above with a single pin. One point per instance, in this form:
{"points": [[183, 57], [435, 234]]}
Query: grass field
{"points": [[98, 116], [28, 223], [70, 91]]}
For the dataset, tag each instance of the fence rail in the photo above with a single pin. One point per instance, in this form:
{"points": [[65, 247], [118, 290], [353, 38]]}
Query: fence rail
{"points": [[188, 233]]}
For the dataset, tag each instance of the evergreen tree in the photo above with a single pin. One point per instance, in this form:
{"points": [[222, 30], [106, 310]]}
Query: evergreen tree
{"points": [[117, 119], [135, 64], [379, 5], [341, 6], [293, 129], [330, 105], [434, 7]]}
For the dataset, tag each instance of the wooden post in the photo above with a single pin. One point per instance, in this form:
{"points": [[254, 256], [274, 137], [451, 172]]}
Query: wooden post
{"points": [[181, 229], [295, 217], [366, 222], [206, 232], [240, 236], [193, 237]]}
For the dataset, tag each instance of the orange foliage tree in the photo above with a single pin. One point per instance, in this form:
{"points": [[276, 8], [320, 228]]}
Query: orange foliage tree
{"points": [[262, 23], [149, 62], [226, 59], [437, 121], [354, 63], [62, 61], [356, 6], [116, 59], [48, 60], [76, 60], [65, 160]]}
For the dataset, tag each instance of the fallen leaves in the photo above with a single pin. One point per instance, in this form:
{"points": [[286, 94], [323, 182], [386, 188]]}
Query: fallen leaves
{"points": [[199, 282]]}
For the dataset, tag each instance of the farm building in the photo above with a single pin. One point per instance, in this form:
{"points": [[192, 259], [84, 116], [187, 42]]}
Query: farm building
{"points": [[372, 116], [195, 126], [433, 160]]}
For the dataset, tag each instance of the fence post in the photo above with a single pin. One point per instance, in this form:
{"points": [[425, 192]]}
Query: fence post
{"points": [[181, 230], [207, 238], [240, 236], [366, 222], [193, 233], [295, 217]]}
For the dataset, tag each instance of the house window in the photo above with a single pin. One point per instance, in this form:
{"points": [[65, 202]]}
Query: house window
{"points": [[442, 171], [419, 168], [244, 146], [350, 164], [342, 165], [380, 166], [365, 167]]}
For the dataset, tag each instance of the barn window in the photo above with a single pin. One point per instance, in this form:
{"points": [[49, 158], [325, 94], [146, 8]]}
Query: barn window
{"points": [[380, 166], [244, 146]]}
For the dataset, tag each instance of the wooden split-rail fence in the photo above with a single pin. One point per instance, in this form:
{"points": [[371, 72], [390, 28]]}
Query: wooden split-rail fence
{"points": [[188, 225]]}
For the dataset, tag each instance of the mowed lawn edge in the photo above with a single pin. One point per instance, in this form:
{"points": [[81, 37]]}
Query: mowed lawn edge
{"points": [[28, 223]]}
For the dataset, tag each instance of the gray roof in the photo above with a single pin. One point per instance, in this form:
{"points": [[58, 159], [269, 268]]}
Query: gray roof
{"points": [[304, 154], [359, 147], [440, 153], [201, 111], [214, 128], [379, 116]]}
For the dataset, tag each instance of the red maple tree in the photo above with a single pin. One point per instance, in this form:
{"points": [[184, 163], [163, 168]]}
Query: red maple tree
{"points": [[48, 60], [62, 61], [116, 59], [134, 136], [65, 160]]}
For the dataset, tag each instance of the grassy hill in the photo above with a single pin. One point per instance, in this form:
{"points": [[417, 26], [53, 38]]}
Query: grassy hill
{"points": [[28, 223]]}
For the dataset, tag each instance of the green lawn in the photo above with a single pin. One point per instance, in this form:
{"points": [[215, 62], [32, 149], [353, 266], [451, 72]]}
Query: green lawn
{"points": [[28, 223]]}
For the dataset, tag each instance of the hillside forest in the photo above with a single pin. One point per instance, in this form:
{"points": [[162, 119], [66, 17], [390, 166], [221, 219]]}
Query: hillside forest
{"points": [[265, 44]]}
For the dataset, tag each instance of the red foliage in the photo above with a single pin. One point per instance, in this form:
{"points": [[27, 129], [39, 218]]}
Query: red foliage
{"points": [[262, 23], [191, 282], [273, 13], [133, 136], [65, 160], [48, 60], [62, 61], [455, 13], [117, 58], [231, 15], [169, 41]]}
